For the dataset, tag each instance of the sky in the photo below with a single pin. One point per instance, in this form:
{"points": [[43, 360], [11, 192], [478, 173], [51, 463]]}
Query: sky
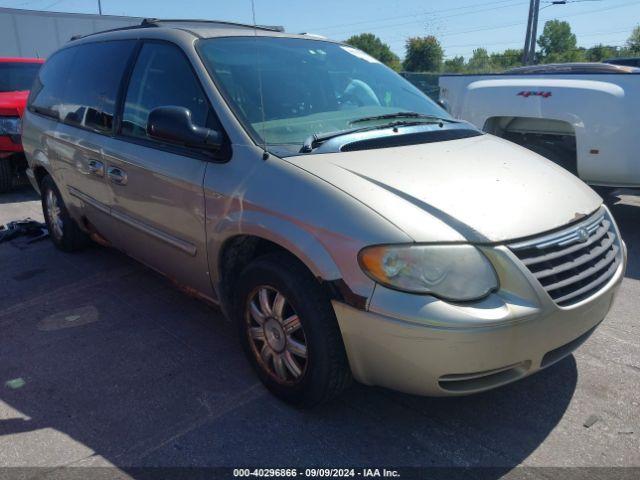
{"points": [[460, 25]]}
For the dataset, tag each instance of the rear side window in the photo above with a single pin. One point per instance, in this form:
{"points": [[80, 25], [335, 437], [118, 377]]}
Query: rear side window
{"points": [[93, 83], [162, 76], [48, 90]]}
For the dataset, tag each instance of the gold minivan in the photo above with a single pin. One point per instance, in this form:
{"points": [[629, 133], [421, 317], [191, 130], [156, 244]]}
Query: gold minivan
{"points": [[347, 224]]}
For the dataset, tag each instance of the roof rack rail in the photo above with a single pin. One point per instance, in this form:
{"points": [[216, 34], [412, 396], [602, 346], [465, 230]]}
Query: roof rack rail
{"points": [[157, 22], [129, 27]]}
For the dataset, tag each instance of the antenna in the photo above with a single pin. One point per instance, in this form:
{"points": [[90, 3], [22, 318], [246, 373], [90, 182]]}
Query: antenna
{"points": [[265, 155]]}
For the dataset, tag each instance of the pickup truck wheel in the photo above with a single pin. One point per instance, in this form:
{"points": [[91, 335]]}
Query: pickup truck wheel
{"points": [[289, 331], [6, 175], [63, 230]]}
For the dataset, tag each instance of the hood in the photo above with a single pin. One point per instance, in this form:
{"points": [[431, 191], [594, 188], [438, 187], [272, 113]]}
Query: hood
{"points": [[13, 103], [481, 189]]}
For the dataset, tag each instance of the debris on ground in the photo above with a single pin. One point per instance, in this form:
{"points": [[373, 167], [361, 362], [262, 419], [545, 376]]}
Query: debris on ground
{"points": [[591, 420], [15, 383], [28, 227]]}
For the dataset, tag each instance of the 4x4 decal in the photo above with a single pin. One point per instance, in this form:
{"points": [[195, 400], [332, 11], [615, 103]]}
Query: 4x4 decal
{"points": [[529, 93]]}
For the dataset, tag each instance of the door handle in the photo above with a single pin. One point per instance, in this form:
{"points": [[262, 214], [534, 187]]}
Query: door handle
{"points": [[117, 175], [96, 168]]}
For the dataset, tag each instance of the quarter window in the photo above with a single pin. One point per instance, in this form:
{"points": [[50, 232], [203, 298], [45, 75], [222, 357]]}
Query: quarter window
{"points": [[48, 89], [162, 77]]}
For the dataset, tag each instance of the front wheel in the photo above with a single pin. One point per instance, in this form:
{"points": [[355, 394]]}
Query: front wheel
{"points": [[289, 331]]}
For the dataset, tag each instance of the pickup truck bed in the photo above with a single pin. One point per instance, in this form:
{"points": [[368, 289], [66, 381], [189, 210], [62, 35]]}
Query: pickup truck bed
{"points": [[585, 118]]}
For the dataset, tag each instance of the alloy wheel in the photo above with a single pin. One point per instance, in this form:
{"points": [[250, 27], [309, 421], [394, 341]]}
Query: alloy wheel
{"points": [[276, 335], [54, 214]]}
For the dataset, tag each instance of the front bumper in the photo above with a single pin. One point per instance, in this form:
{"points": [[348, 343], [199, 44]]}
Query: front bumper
{"points": [[425, 346]]}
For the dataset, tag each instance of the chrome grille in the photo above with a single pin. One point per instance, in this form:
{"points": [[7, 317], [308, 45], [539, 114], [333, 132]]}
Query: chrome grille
{"points": [[574, 263]]}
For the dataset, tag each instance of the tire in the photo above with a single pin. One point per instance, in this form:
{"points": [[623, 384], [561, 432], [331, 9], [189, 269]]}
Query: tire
{"points": [[63, 230], [6, 175], [323, 370]]}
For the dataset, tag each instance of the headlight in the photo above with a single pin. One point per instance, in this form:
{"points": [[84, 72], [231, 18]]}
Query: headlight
{"points": [[9, 126], [451, 272]]}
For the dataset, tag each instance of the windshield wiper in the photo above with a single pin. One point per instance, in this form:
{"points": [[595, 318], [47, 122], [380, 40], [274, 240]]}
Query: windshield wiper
{"points": [[388, 116], [314, 140]]}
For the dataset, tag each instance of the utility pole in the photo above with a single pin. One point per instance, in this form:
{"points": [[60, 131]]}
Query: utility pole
{"points": [[534, 33], [99, 7], [529, 52], [527, 39]]}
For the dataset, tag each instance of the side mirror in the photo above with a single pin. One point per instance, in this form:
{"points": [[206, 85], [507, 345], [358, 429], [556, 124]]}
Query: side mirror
{"points": [[174, 125], [443, 104]]}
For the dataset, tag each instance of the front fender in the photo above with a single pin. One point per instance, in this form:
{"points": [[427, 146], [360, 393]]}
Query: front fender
{"points": [[283, 232]]}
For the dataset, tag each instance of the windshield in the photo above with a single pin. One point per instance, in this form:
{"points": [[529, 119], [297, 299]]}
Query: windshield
{"points": [[17, 76], [309, 87]]}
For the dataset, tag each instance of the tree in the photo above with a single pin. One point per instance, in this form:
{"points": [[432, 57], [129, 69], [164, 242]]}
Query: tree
{"points": [[424, 54], [480, 62], [371, 44], [633, 43], [557, 43], [510, 58], [600, 52], [454, 65]]}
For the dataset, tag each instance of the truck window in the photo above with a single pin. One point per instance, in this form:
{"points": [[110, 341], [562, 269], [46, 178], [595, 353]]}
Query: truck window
{"points": [[16, 77]]}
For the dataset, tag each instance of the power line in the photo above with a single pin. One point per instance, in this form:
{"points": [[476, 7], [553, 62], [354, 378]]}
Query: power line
{"points": [[414, 14], [439, 18], [496, 27]]}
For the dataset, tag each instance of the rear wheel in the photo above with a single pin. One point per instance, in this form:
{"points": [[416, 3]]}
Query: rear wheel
{"points": [[289, 331], [6, 175], [63, 230]]}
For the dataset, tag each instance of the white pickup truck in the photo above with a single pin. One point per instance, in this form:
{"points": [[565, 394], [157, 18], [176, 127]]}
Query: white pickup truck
{"points": [[585, 117]]}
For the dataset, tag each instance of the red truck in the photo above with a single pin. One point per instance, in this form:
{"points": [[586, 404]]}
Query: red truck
{"points": [[16, 77]]}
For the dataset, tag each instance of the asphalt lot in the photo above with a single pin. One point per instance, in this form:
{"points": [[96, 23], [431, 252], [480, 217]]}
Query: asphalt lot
{"points": [[104, 363]]}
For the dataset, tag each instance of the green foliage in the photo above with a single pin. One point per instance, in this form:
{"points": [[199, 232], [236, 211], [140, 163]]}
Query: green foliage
{"points": [[480, 62], [510, 58], [600, 52], [633, 43], [454, 65], [423, 54], [557, 43], [371, 44]]}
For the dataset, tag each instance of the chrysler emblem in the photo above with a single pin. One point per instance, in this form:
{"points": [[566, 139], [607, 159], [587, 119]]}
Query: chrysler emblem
{"points": [[583, 235]]}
